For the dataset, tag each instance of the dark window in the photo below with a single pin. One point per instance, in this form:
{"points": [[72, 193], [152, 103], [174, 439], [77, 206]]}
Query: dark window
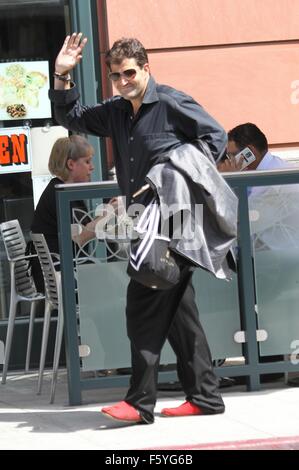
{"points": [[32, 30]]}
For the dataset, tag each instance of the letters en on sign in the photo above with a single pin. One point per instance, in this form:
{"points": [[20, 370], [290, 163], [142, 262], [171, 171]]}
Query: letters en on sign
{"points": [[15, 150]]}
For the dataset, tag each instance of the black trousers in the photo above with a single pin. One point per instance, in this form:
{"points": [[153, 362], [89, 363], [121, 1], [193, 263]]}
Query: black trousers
{"points": [[152, 317]]}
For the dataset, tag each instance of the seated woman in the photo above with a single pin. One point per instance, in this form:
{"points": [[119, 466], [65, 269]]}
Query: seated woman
{"points": [[70, 162]]}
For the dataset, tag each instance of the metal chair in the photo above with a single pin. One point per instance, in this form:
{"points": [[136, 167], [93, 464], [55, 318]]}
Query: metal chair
{"points": [[22, 287], [52, 279]]}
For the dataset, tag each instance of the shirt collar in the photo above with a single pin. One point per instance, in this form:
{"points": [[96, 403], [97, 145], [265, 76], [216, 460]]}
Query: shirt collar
{"points": [[150, 96], [265, 162], [270, 162]]}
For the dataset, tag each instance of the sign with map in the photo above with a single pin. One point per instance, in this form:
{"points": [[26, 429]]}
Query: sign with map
{"points": [[24, 90]]}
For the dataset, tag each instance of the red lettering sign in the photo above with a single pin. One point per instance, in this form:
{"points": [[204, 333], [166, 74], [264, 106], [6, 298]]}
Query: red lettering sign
{"points": [[13, 149], [19, 149], [4, 153]]}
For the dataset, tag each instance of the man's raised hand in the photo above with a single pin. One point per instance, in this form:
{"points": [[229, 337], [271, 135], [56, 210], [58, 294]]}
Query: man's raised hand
{"points": [[70, 53]]}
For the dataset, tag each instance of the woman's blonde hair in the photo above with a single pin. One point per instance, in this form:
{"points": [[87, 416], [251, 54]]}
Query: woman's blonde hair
{"points": [[65, 148]]}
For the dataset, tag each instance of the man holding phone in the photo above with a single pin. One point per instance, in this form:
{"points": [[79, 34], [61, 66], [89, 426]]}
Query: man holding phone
{"points": [[247, 149], [270, 230]]}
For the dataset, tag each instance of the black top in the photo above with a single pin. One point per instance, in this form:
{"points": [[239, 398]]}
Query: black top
{"points": [[166, 119], [45, 215]]}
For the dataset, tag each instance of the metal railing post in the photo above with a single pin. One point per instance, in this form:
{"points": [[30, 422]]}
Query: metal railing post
{"points": [[247, 291], [87, 73], [68, 296]]}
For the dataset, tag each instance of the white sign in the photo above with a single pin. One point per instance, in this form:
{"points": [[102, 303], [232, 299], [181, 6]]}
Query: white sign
{"points": [[15, 150], [24, 90]]}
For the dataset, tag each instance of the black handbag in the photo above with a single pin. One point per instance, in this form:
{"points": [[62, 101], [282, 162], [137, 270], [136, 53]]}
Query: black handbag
{"points": [[151, 261]]}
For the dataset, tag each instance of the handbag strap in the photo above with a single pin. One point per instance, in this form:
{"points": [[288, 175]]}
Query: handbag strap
{"points": [[145, 218], [148, 225]]}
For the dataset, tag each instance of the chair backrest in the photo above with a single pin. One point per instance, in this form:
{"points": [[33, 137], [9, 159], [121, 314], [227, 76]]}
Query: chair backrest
{"points": [[13, 239], [20, 208], [48, 269], [15, 247]]}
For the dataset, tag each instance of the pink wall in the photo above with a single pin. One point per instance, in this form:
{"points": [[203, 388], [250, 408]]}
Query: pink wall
{"points": [[238, 58], [189, 23], [239, 84]]}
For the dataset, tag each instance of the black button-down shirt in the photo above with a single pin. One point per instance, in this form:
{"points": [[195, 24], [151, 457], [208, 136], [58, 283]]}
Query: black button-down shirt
{"points": [[166, 119]]}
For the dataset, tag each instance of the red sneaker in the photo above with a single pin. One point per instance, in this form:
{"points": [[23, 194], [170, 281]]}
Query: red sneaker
{"points": [[122, 411], [186, 409]]}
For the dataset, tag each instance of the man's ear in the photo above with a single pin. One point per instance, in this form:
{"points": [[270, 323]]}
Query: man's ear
{"points": [[146, 67]]}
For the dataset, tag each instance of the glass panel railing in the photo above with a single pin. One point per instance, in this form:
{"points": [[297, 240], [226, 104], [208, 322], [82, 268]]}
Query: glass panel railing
{"points": [[218, 305], [274, 221], [254, 315], [102, 283]]}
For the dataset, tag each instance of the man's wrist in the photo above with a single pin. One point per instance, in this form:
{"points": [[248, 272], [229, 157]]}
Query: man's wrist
{"points": [[64, 77]]}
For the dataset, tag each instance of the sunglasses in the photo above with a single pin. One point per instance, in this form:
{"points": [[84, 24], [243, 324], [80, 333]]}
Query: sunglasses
{"points": [[127, 74]]}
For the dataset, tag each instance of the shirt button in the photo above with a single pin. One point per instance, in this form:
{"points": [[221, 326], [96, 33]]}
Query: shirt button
{"points": [[131, 159], [132, 200], [132, 180], [131, 138]]}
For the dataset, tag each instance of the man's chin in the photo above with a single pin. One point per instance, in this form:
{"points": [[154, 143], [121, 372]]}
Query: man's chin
{"points": [[130, 95]]}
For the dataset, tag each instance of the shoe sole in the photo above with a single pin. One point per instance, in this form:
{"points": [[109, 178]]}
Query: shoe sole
{"points": [[121, 420], [179, 416]]}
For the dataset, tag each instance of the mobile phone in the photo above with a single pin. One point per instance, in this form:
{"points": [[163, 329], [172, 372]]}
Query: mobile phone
{"points": [[248, 157]]}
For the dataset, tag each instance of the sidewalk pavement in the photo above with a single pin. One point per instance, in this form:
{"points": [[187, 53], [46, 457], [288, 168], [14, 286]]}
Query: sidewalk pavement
{"points": [[268, 419]]}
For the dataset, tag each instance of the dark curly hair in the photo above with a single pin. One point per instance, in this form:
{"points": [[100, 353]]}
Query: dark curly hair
{"points": [[126, 48]]}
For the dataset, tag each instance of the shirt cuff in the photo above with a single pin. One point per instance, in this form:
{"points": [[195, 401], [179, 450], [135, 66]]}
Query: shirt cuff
{"points": [[63, 97]]}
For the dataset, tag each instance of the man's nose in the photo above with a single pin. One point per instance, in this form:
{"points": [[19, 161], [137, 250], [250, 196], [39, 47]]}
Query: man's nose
{"points": [[123, 80]]}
